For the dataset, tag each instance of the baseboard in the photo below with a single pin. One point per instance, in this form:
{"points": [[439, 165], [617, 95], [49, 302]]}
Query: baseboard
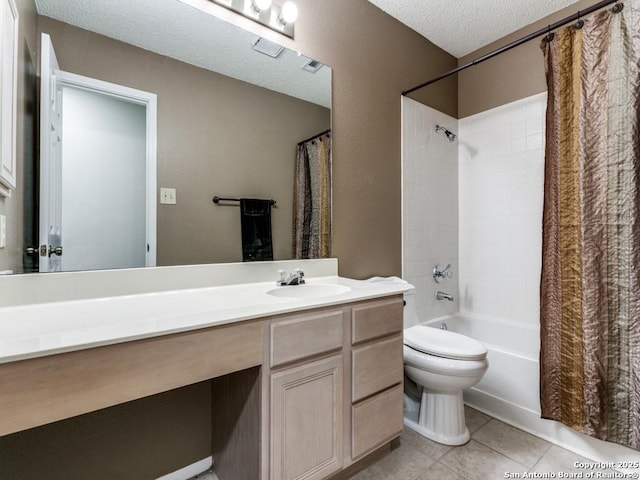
{"points": [[554, 432], [189, 471], [364, 462]]}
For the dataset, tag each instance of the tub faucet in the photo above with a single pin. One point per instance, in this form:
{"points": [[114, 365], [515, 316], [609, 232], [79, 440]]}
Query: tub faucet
{"points": [[440, 273], [296, 278], [444, 296]]}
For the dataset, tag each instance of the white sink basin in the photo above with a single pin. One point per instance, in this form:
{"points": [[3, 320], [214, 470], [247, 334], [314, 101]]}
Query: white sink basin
{"points": [[309, 290]]}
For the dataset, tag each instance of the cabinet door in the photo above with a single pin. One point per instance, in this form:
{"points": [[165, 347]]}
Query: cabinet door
{"points": [[306, 420]]}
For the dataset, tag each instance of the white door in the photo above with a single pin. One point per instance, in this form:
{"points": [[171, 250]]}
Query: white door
{"points": [[50, 161], [99, 174]]}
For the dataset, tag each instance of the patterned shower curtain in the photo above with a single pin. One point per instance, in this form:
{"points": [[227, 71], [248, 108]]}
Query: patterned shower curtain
{"points": [[312, 199], [590, 288]]}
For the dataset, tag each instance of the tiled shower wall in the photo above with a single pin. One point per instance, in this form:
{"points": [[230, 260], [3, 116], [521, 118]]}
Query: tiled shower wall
{"points": [[429, 206], [477, 204], [501, 170]]}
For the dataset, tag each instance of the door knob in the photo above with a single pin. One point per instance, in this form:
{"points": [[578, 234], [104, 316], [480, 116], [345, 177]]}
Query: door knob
{"points": [[57, 251], [41, 250]]}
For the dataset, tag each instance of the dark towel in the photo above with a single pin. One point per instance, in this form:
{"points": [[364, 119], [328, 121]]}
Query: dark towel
{"points": [[255, 221]]}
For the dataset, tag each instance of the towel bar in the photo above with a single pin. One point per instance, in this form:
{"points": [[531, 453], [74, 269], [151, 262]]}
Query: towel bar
{"points": [[217, 200]]}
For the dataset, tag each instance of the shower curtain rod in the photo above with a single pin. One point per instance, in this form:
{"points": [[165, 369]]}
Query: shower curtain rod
{"points": [[314, 137], [517, 43]]}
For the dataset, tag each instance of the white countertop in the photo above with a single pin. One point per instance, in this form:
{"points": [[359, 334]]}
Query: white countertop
{"points": [[31, 331]]}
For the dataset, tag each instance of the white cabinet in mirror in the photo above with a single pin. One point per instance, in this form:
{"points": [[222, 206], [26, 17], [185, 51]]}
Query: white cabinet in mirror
{"points": [[8, 95]]}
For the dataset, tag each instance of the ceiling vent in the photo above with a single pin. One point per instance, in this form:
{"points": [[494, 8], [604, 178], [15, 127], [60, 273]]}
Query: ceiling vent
{"points": [[312, 66], [267, 47]]}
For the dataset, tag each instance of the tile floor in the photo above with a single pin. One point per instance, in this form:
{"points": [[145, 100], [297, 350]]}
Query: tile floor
{"points": [[495, 450]]}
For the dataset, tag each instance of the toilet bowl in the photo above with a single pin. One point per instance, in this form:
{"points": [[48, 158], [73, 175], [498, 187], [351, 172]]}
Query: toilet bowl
{"points": [[438, 366]]}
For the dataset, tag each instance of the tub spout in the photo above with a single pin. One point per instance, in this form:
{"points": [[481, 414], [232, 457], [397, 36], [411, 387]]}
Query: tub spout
{"points": [[444, 296]]}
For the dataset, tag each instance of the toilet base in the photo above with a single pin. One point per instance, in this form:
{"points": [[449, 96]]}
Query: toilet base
{"points": [[440, 417]]}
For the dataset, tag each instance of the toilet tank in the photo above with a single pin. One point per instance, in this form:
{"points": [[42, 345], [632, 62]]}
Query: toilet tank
{"points": [[410, 314]]}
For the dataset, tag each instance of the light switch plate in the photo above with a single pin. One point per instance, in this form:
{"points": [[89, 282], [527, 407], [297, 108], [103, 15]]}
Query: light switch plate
{"points": [[3, 231], [168, 196]]}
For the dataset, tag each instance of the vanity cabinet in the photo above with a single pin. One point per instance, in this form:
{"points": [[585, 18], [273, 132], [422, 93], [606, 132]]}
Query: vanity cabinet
{"points": [[310, 395], [335, 387]]}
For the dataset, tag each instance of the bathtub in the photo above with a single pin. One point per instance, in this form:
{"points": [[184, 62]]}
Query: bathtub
{"points": [[513, 372], [510, 389]]}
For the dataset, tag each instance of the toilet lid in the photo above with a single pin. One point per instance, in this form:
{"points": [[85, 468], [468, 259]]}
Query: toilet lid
{"points": [[443, 343]]}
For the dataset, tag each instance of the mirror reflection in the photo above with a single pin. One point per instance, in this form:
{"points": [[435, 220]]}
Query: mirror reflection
{"points": [[229, 119]]}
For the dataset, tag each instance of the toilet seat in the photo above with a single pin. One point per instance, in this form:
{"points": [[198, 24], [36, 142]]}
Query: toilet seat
{"points": [[441, 365], [443, 343]]}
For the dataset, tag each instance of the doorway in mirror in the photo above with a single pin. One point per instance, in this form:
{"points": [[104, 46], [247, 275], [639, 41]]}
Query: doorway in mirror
{"points": [[99, 140]]}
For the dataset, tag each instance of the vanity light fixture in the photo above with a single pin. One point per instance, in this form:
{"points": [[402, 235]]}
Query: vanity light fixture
{"points": [[289, 13], [261, 5], [265, 12]]}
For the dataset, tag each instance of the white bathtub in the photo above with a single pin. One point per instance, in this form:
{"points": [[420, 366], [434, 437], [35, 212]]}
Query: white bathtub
{"points": [[513, 350]]}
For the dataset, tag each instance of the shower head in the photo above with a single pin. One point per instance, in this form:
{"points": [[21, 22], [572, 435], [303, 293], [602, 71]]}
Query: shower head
{"points": [[450, 135]]}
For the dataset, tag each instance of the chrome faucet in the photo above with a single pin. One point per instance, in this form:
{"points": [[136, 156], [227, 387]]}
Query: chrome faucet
{"points": [[440, 273], [444, 296], [296, 278]]}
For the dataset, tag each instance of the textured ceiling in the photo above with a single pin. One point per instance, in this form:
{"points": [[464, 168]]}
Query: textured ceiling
{"points": [[180, 31], [462, 26]]}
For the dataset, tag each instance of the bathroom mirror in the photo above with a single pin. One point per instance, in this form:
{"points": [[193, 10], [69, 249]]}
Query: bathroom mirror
{"points": [[228, 116]]}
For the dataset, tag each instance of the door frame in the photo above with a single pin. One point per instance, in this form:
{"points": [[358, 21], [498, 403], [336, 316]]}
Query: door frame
{"points": [[149, 101]]}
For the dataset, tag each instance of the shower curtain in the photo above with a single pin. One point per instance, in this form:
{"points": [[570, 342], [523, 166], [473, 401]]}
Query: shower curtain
{"points": [[590, 286], [312, 199]]}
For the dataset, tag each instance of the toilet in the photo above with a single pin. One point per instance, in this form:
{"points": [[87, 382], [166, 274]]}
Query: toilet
{"points": [[438, 365]]}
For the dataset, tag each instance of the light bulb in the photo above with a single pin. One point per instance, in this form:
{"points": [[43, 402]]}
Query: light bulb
{"points": [[289, 13], [261, 5]]}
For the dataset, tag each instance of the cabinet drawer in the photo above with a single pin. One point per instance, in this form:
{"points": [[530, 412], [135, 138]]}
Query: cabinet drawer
{"points": [[376, 421], [305, 335], [376, 319], [376, 366]]}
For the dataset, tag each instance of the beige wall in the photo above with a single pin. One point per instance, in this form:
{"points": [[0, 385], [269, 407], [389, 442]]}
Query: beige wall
{"points": [[510, 76], [216, 136], [137, 440], [12, 208], [374, 58]]}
